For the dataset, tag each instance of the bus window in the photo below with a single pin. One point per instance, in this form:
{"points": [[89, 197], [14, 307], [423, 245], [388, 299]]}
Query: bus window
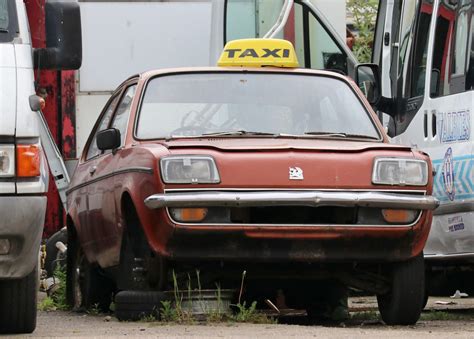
{"points": [[451, 48]]}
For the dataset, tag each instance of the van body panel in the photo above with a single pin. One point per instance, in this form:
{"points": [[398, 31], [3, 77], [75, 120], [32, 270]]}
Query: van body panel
{"points": [[8, 89]]}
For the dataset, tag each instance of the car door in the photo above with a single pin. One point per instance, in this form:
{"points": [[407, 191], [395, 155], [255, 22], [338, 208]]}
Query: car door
{"points": [[84, 178], [317, 44], [102, 205]]}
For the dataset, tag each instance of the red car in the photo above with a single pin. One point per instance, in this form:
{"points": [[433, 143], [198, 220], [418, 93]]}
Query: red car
{"points": [[284, 172]]}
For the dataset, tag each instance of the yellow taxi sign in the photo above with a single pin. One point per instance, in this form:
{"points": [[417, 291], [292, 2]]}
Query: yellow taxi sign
{"points": [[259, 53]]}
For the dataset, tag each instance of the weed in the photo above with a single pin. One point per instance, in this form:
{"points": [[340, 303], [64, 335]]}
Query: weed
{"points": [[443, 315], [364, 316], [168, 312], [251, 315], [57, 299], [47, 304], [149, 318]]}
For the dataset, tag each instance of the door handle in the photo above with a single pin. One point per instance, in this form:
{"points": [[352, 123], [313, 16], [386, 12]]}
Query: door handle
{"points": [[92, 170]]}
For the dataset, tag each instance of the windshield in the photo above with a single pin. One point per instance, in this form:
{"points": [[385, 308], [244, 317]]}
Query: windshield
{"points": [[275, 103]]}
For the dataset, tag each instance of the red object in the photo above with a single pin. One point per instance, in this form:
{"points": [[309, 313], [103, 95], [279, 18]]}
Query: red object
{"points": [[57, 88], [106, 188]]}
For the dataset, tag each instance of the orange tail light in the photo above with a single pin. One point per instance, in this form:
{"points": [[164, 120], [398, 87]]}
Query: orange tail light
{"points": [[28, 161]]}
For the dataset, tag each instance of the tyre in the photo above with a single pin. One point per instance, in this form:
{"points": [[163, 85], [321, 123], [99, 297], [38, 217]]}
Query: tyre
{"points": [[18, 304], [86, 287], [136, 305], [403, 304], [140, 268], [53, 256]]}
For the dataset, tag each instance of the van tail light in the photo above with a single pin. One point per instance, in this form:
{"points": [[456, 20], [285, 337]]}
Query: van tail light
{"points": [[28, 161]]}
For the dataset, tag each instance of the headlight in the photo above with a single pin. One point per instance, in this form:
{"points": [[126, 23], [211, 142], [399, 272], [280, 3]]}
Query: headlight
{"points": [[7, 161], [400, 171], [189, 170]]}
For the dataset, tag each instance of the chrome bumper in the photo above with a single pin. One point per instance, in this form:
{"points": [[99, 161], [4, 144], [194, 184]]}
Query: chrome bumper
{"points": [[292, 198]]}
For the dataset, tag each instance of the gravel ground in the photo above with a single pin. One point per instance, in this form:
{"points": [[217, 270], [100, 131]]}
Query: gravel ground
{"points": [[454, 321]]}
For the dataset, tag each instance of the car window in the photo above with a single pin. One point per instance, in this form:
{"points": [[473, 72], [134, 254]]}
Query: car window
{"points": [[203, 103], [93, 150], [120, 120]]}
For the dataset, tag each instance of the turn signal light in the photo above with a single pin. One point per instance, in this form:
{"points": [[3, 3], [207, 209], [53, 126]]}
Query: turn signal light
{"points": [[188, 214], [28, 161], [399, 216]]}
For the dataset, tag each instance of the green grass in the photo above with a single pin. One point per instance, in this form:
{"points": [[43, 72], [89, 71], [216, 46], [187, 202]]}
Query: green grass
{"points": [[57, 300]]}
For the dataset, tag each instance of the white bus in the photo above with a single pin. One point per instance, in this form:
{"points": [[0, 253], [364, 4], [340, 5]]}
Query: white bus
{"points": [[425, 52]]}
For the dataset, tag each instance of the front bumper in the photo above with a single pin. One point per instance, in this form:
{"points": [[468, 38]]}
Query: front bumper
{"points": [[292, 198], [21, 222]]}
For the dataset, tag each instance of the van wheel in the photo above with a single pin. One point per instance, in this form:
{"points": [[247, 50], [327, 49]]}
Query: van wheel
{"points": [[403, 304], [86, 287], [18, 304]]}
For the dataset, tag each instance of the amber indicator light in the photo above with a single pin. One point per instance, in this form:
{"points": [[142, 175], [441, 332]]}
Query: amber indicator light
{"points": [[28, 161]]}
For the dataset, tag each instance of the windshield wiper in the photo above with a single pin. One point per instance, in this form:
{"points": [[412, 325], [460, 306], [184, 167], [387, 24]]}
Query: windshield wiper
{"points": [[341, 135], [4, 30], [238, 133]]}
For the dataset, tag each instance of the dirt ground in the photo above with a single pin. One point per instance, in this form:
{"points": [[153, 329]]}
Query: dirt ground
{"points": [[438, 321]]}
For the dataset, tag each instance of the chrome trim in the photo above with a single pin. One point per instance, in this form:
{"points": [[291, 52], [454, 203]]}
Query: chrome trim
{"points": [[217, 189], [292, 198]]}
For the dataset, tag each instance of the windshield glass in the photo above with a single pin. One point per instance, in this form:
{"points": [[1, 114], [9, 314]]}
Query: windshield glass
{"points": [[230, 103], [3, 15]]}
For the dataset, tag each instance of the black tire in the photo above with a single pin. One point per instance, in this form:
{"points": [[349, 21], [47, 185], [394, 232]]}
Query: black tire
{"points": [[86, 287], [404, 303], [18, 304], [136, 305], [53, 256], [139, 267]]}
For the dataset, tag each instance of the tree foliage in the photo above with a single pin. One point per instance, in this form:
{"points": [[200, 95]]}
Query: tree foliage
{"points": [[364, 14]]}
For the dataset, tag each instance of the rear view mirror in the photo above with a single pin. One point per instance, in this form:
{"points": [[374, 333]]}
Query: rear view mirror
{"points": [[63, 37], [367, 77], [108, 139]]}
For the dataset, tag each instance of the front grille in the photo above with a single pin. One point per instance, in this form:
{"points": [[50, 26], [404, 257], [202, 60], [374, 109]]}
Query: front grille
{"points": [[294, 215]]}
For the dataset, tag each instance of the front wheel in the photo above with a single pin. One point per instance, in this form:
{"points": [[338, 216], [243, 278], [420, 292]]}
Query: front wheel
{"points": [[86, 287], [18, 304], [403, 304]]}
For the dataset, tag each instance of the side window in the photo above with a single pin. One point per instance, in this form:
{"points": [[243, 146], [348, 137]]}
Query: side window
{"points": [[93, 150], [120, 120], [324, 52], [448, 73], [314, 46]]}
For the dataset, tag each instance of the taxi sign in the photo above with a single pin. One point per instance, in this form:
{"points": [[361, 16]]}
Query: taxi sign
{"points": [[258, 53]]}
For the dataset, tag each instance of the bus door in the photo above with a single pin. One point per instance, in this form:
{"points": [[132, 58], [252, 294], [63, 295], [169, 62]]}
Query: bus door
{"points": [[425, 58]]}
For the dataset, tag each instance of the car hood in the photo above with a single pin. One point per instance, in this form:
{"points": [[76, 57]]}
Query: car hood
{"points": [[253, 144], [7, 89]]}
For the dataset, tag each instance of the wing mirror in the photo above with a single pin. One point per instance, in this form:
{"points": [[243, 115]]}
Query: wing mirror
{"points": [[63, 37], [108, 139], [368, 79]]}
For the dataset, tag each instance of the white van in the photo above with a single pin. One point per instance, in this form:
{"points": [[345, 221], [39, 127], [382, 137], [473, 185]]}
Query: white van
{"points": [[425, 52], [23, 168]]}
